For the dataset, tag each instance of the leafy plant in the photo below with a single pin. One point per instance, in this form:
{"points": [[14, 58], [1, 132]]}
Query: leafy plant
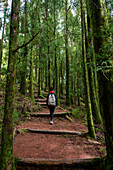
{"points": [[101, 150], [15, 116], [76, 113]]}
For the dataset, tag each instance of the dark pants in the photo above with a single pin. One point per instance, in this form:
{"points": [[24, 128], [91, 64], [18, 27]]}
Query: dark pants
{"points": [[52, 109]]}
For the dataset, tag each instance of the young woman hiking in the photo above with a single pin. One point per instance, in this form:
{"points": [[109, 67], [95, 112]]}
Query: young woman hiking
{"points": [[51, 103]]}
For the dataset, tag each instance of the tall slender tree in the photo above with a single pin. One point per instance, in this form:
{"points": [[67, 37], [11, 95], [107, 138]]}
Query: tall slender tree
{"points": [[31, 93], [86, 81], [40, 49], [67, 55], [7, 151], [62, 75], [92, 72], [56, 57], [31, 89], [1, 41], [24, 67], [48, 46]]}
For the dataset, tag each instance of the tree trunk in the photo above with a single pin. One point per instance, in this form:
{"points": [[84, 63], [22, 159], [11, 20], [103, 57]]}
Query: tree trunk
{"points": [[86, 81], [106, 100], [92, 74], [7, 150], [105, 78], [72, 79], [78, 88], [1, 41], [31, 93], [46, 74], [62, 76], [42, 78], [56, 58], [24, 67], [67, 57], [39, 67], [36, 74], [39, 73], [48, 46]]}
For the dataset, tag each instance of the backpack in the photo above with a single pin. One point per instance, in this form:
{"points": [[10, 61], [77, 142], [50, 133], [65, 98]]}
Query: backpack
{"points": [[51, 100]]}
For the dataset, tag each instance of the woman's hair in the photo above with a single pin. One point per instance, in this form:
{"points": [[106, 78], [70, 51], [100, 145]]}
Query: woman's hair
{"points": [[51, 88]]}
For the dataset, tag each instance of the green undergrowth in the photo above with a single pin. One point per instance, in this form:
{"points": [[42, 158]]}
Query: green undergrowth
{"points": [[23, 106], [22, 131], [80, 114]]}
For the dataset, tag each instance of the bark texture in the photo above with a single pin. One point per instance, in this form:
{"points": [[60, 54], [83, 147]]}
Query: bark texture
{"points": [[86, 80], [56, 57], [31, 92], [1, 41], [7, 155], [105, 77], [24, 60], [67, 56]]}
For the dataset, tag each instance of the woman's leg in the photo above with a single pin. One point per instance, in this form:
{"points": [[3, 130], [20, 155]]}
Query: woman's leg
{"points": [[52, 108]]}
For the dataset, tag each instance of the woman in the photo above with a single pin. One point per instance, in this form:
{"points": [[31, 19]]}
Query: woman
{"points": [[51, 103]]}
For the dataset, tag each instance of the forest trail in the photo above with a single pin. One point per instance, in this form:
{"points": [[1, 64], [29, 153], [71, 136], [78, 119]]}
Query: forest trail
{"points": [[66, 139]]}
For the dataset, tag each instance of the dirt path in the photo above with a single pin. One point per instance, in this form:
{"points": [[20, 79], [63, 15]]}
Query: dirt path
{"points": [[55, 146]]}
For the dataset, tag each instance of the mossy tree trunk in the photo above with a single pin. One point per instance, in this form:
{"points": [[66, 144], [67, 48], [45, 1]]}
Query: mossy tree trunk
{"points": [[72, 79], [92, 74], [105, 77], [56, 57], [7, 143], [67, 56], [24, 59], [78, 88], [39, 66], [94, 101], [39, 73], [75, 87], [36, 67], [46, 74], [86, 80], [31, 90], [1, 41], [76, 84], [32, 17], [106, 100], [62, 75], [48, 48], [42, 78]]}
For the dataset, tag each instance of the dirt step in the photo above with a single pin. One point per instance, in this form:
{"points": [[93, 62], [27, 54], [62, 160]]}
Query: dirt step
{"points": [[60, 123], [40, 100], [55, 132], [86, 164], [42, 103], [48, 114]]}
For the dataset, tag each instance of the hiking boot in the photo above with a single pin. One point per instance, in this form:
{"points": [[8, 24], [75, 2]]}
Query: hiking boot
{"points": [[51, 122]]}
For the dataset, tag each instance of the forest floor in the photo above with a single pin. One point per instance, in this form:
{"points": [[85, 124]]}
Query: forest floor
{"points": [[55, 141], [54, 145]]}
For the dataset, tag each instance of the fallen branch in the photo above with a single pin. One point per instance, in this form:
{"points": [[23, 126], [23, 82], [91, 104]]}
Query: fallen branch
{"points": [[67, 117]]}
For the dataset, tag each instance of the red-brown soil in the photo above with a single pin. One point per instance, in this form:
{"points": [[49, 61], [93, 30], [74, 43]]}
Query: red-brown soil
{"points": [[53, 146], [60, 123]]}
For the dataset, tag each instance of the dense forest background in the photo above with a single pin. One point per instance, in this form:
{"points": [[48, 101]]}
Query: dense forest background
{"points": [[64, 44]]}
